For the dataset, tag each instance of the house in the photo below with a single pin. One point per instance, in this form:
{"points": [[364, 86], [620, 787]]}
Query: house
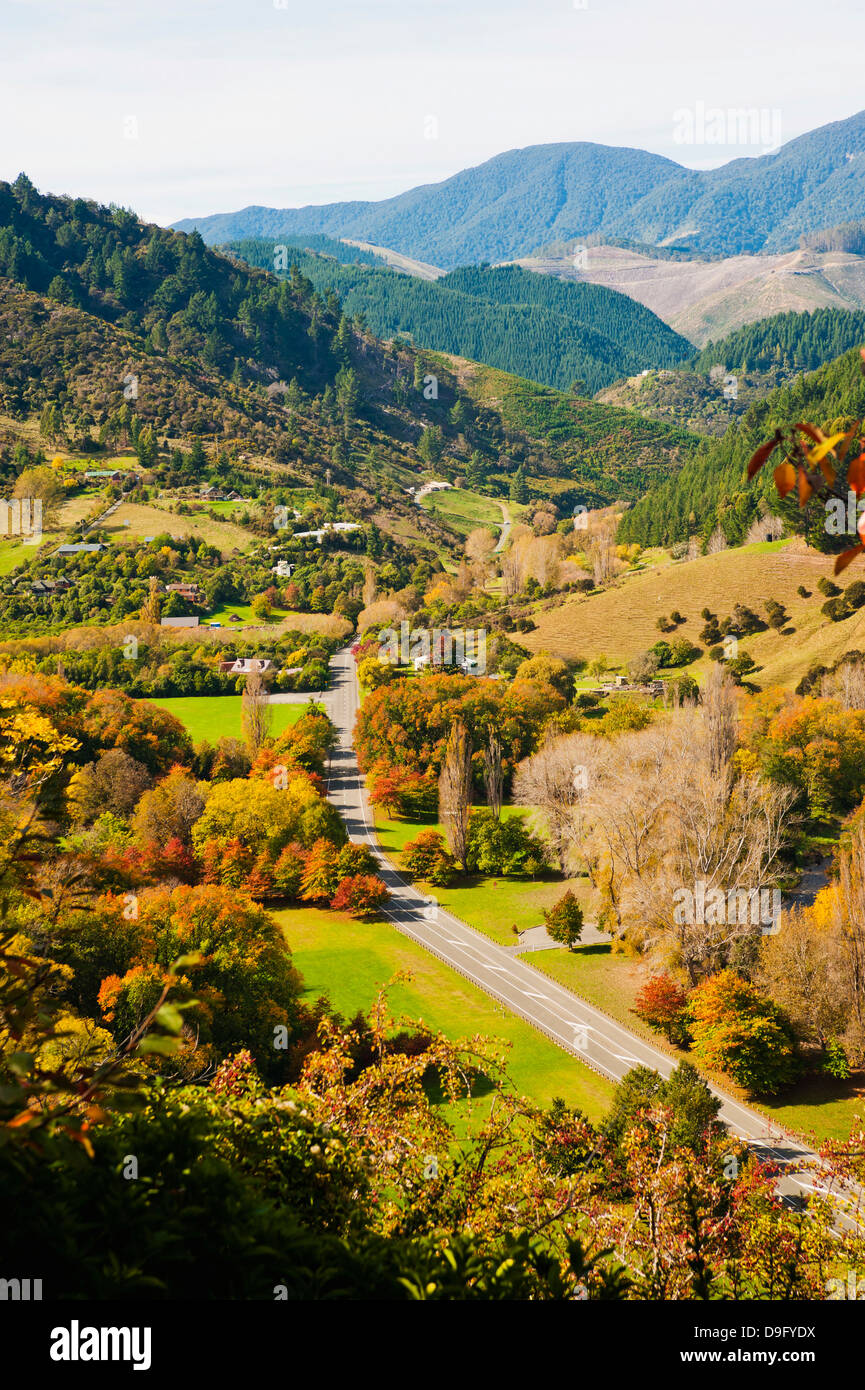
{"points": [[282, 569], [188, 591], [329, 529], [179, 622], [50, 586], [213, 494], [81, 548], [104, 475], [246, 665]]}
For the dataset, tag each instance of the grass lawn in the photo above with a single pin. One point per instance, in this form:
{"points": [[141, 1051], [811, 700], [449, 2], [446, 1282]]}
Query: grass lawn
{"points": [[15, 553], [218, 716], [349, 961], [621, 620], [138, 520], [818, 1108], [464, 510], [490, 903]]}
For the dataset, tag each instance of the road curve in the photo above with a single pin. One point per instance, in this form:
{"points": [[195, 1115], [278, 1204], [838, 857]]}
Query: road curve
{"points": [[506, 527], [571, 1023]]}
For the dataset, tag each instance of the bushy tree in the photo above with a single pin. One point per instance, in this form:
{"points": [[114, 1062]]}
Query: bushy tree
{"points": [[736, 1029], [564, 920]]}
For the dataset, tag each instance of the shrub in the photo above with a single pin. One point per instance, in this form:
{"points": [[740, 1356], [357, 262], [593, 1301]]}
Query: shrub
{"points": [[776, 613], [683, 651], [827, 587], [362, 895], [803, 592], [836, 609], [428, 857], [502, 846], [663, 652]]}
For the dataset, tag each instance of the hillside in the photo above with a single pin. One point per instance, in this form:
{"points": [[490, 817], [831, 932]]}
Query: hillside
{"points": [[712, 489], [692, 400], [621, 621], [791, 342], [705, 299], [581, 452], [533, 326], [760, 358], [117, 333], [512, 204]]}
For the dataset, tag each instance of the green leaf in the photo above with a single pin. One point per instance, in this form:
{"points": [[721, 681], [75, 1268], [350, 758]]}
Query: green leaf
{"points": [[165, 1046]]}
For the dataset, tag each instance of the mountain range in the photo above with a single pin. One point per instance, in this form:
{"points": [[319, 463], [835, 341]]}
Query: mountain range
{"points": [[521, 200]]}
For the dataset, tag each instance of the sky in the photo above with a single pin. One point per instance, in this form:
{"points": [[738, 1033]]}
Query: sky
{"points": [[180, 108]]}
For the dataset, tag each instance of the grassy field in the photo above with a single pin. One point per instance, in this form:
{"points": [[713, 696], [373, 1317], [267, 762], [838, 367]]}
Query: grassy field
{"points": [[622, 621], [15, 553], [145, 520], [218, 716], [490, 903], [349, 961], [463, 510], [818, 1109]]}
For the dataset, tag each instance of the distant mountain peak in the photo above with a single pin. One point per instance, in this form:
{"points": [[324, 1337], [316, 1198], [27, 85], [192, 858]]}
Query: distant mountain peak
{"points": [[518, 200]]}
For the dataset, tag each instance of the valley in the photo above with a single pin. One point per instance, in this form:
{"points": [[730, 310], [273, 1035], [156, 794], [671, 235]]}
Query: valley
{"points": [[407, 942]]}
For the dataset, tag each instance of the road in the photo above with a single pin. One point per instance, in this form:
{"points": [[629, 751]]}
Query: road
{"points": [[506, 527], [574, 1025]]}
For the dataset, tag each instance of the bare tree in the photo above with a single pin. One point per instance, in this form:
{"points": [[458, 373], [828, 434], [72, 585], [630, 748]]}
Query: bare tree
{"points": [[846, 684], [455, 790], [721, 718], [480, 544], [655, 823], [256, 711], [512, 572]]}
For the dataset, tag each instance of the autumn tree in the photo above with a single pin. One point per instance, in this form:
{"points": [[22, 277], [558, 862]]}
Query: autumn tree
{"points": [[455, 790], [256, 711], [735, 1028], [493, 776]]}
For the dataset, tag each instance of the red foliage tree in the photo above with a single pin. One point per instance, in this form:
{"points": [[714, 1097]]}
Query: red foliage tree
{"points": [[661, 1003], [362, 895]]}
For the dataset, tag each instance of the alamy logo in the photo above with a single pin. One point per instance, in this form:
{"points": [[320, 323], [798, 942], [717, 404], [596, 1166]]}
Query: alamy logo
{"points": [[21, 1290], [22, 516], [844, 518], [77, 1343], [756, 907], [742, 125]]}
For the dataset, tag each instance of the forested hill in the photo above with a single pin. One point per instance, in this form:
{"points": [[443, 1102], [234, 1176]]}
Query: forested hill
{"points": [[712, 489], [520, 200], [264, 371], [787, 341], [182, 298], [535, 326]]}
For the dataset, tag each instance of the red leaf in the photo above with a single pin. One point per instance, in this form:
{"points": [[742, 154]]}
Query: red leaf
{"points": [[765, 451], [847, 557], [812, 431], [856, 475], [785, 478]]}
